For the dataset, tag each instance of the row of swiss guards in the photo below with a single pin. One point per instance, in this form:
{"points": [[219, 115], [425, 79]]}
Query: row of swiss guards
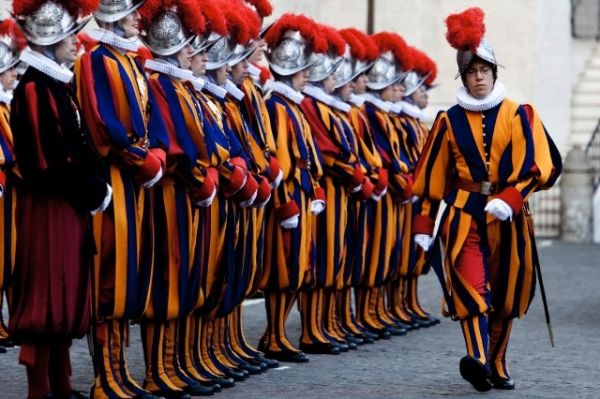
{"points": [[165, 183]]}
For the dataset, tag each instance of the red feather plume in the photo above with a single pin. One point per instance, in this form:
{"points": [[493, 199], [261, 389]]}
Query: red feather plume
{"points": [[239, 26], [9, 27], [301, 23], [143, 54], [252, 20], [214, 17], [357, 49], [75, 8], [466, 29], [187, 10], [371, 48], [335, 41], [263, 7], [265, 73], [389, 41]]}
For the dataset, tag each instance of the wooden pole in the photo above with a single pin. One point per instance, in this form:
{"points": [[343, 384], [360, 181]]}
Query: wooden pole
{"points": [[370, 16]]}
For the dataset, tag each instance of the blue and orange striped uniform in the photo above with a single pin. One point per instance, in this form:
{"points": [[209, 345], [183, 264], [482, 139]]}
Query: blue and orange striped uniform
{"points": [[509, 147], [117, 106]]}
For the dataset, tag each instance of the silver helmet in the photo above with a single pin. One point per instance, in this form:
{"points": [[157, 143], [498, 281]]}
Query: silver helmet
{"points": [[240, 52], [322, 66], [291, 55], [412, 82], [483, 51], [219, 54], [9, 53], [345, 70], [383, 72], [50, 24], [203, 42], [166, 35], [114, 10]]}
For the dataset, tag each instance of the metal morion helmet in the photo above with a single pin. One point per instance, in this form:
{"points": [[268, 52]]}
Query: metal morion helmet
{"points": [[170, 25], [358, 57], [291, 40], [466, 34], [48, 22], [114, 10], [243, 46], [394, 59], [326, 63], [12, 42]]}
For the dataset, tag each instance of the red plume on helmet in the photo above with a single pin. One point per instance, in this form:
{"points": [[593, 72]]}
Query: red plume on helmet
{"points": [[9, 27], [296, 22], [74, 7], [335, 42], [466, 29], [263, 7], [371, 50], [357, 49], [187, 10], [389, 41], [252, 20], [243, 24], [424, 65], [215, 18]]}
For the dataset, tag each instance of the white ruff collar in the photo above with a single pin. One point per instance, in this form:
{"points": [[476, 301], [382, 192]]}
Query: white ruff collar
{"points": [[198, 83], [112, 39], [234, 91], [342, 106], [286, 91], [215, 90], [411, 110], [46, 66], [169, 69], [382, 105], [357, 99], [318, 94], [470, 103], [254, 71], [5, 96], [395, 108]]}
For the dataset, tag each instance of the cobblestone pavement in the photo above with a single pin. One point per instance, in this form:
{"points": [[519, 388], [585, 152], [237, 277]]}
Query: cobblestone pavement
{"points": [[422, 364]]}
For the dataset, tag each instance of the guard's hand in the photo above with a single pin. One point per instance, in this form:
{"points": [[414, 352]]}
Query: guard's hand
{"points": [[499, 209], [424, 241], [317, 206]]}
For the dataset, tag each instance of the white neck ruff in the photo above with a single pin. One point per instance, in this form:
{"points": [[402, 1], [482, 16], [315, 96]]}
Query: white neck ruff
{"points": [[5, 96], [342, 106], [470, 103], [198, 82], [357, 99], [254, 71], [286, 91], [215, 90], [379, 103], [169, 69], [395, 108], [233, 90], [46, 66], [411, 110], [318, 94], [112, 39]]}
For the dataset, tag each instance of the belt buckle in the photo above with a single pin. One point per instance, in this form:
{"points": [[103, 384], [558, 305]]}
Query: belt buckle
{"points": [[486, 188]]}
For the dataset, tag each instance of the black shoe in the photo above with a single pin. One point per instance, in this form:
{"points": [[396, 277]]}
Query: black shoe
{"points": [[288, 356], [397, 331], [252, 369], [382, 333], [433, 320], [236, 375], [255, 362], [198, 390], [424, 323], [473, 371], [271, 363], [322, 348], [343, 346], [2, 349], [223, 382], [369, 335], [355, 340], [503, 383], [147, 395], [7, 343]]}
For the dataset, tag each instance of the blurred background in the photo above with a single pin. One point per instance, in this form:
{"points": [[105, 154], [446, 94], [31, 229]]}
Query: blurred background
{"points": [[549, 51]]}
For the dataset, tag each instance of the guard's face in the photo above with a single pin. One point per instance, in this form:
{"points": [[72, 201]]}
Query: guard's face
{"points": [[199, 63], [479, 79], [346, 91], [360, 83], [257, 55], [399, 91], [388, 94], [131, 24], [221, 75], [66, 50], [239, 72], [8, 79], [329, 84], [300, 79], [420, 97], [184, 57]]}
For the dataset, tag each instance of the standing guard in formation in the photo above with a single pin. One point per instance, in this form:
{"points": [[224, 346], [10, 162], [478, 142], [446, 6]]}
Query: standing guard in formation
{"points": [[164, 171], [484, 157]]}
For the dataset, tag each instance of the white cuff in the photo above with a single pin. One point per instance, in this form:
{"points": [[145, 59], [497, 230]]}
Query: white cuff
{"points": [[205, 203], [105, 202], [154, 180]]}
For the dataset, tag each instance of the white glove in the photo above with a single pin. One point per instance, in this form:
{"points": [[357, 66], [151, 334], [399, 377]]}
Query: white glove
{"points": [[500, 209], [317, 206], [411, 200], [277, 181], [356, 189], [265, 202], [376, 197], [290, 223], [106, 202], [154, 180], [247, 203], [205, 203], [424, 241]]}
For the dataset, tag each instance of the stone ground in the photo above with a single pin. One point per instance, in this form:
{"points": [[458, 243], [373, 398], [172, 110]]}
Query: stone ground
{"points": [[422, 364]]}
